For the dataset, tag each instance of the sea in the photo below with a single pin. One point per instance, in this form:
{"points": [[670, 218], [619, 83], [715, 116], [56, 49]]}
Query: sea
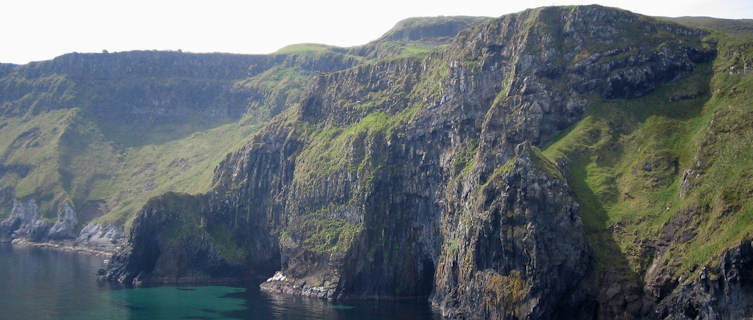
{"points": [[37, 283]]}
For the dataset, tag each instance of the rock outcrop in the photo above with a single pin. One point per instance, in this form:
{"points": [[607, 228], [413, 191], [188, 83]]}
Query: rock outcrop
{"points": [[24, 222], [517, 250], [157, 250], [100, 237], [724, 291], [65, 226]]}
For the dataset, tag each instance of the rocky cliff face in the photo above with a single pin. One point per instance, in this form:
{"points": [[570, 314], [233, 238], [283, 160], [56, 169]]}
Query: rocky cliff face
{"points": [[516, 249], [24, 221], [421, 175], [88, 137], [719, 292]]}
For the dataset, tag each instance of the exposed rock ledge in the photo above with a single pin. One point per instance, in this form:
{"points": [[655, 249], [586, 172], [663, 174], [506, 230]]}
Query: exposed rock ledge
{"points": [[279, 283]]}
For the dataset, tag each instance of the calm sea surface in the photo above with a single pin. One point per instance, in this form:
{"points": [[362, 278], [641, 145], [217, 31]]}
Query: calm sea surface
{"points": [[44, 284]]}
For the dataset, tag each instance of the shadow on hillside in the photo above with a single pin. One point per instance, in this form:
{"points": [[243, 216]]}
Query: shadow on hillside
{"points": [[596, 169]]}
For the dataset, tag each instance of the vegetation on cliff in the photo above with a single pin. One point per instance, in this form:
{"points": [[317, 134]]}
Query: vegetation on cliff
{"points": [[560, 161]]}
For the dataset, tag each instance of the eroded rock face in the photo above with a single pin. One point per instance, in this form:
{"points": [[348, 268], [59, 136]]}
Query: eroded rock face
{"points": [[101, 237], [65, 226], [24, 222], [420, 176], [721, 292], [517, 250], [166, 245]]}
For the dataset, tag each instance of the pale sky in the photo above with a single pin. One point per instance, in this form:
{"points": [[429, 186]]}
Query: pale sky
{"points": [[32, 30]]}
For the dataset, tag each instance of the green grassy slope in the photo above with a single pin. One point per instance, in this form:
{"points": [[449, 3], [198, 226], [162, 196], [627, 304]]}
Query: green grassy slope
{"points": [[736, 28], [674, 166], [62, 155], [107, 144]]}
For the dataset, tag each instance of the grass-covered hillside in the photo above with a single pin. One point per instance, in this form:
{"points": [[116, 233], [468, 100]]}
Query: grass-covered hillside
{"points": [[666, 180], [106, 132]]}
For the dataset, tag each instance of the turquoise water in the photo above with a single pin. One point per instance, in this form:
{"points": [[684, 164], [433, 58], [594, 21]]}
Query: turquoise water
{"points": [[44, 284]]}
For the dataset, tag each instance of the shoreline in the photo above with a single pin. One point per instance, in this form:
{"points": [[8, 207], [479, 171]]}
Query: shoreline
{"points": [[23, 243]]}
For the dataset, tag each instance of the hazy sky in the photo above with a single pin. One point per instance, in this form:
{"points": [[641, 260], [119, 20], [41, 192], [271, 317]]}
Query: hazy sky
{"points": [[34, 30]]}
